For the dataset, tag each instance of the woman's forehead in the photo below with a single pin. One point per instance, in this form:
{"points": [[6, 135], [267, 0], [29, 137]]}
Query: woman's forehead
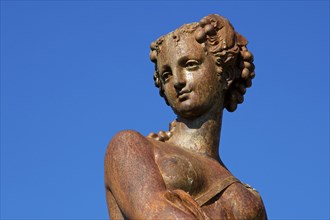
{"points": [[176, 46]]}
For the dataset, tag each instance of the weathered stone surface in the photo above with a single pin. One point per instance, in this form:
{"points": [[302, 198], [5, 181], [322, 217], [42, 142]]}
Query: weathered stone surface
{"points": [[200, 69]]}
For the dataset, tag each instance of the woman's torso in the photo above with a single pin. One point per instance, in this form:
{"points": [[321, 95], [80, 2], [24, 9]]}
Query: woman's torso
{"points": [[201, 177]]}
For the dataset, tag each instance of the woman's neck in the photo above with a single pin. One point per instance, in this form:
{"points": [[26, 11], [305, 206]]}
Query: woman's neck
{"points": [[201, 134]]}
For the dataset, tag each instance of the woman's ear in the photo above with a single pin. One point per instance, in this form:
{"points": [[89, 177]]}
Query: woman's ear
{"points": [[219, 71], [226, 69], [228, 76], [224, 76], [231, 74]]}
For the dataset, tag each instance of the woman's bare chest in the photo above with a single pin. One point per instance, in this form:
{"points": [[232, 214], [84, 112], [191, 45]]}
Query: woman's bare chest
{"points": [[187, 171], [180, 172]]}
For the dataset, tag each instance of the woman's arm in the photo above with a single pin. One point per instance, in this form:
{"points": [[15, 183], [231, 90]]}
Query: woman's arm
{"points": [[136, 183]]}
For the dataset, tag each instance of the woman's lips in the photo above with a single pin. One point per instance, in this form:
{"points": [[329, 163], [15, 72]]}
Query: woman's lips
{"points": [[183, 95]]}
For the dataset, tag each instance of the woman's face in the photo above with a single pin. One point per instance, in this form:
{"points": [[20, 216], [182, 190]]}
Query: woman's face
{"points": [[189, 77]]}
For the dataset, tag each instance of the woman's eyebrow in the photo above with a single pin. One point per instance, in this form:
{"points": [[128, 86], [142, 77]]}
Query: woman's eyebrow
{"points": [[182, 60], [164, 67]]}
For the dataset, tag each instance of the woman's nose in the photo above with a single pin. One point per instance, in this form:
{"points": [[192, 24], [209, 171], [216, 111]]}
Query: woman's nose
{"points": [[179, 80]]}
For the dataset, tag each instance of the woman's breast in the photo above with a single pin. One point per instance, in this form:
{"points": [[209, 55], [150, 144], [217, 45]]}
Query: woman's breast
{"points": [[180, 172]]}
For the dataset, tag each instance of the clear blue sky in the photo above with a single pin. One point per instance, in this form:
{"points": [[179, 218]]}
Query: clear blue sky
{"points": [[74, 73]]}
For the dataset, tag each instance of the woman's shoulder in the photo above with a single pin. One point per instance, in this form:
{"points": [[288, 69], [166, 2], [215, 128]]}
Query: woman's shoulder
{"points": [[126, 135], [125, 142], [248, 202], [127, 151]]}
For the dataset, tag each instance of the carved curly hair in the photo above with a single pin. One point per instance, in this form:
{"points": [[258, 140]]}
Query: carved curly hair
{"points": [[218, 37]]}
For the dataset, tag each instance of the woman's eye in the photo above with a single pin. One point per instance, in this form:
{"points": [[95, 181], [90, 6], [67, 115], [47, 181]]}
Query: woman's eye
{"points": [[192, 64], [166, 75]]}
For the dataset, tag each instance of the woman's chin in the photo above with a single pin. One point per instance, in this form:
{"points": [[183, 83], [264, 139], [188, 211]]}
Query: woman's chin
{"points": [[188, 111]]}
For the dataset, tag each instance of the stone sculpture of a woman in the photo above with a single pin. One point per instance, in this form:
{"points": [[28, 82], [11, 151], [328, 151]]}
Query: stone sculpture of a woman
{"points": [[200, 69]]}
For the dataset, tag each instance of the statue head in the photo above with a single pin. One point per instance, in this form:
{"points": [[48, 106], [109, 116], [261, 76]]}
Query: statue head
{"points": [[233, 63]]}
